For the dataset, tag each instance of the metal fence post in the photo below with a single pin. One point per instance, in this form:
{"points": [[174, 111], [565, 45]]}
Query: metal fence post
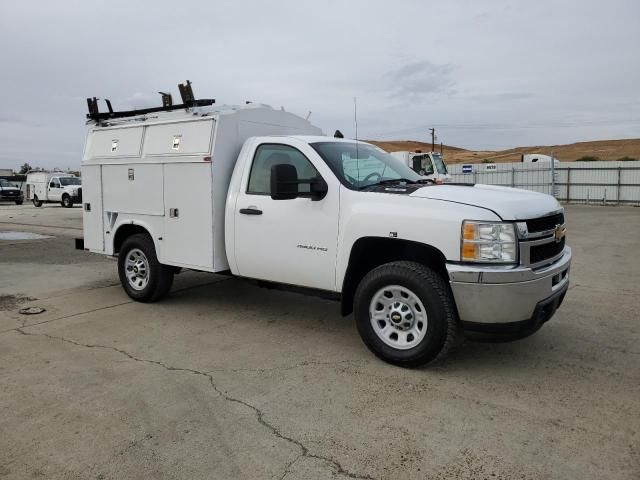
{"points": [[513, 176], [553, 176], [568, 184], [619, 184]]}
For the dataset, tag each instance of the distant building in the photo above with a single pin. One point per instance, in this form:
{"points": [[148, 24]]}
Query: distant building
{"points": [[6, 172]]}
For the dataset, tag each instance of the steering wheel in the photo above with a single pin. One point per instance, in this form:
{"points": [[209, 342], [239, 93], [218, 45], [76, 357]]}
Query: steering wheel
{"points": [[372, 174], [352, 180]]}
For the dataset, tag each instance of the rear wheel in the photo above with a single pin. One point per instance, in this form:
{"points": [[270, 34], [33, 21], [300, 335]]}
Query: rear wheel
{"points": [[141, 275], [66, 201], [405, 313], [36, 202]]}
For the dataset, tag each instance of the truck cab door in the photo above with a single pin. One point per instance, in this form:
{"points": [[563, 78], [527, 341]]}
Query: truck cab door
{"points": [[287, 241], [54, 192]]}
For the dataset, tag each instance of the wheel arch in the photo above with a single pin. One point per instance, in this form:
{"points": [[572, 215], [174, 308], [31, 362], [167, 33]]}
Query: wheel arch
{"points": [[368, 253], [125, 230]]}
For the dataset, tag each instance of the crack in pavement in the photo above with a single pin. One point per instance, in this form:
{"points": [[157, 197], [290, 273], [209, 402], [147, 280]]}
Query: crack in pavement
{"points": [[304, 363], [287, 469], [304, 451]]}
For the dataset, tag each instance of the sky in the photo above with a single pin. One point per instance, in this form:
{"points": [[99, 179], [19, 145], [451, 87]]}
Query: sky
{"points": [[486, 74]]}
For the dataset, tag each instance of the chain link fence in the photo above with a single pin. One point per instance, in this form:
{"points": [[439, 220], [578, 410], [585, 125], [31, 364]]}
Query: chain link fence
{"points": [[601, 182]]}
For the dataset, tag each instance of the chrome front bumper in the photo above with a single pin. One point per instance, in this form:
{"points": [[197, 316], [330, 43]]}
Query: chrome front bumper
{"points": [[487, 294]]}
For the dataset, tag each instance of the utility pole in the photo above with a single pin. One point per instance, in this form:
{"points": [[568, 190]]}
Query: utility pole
{"points": [[440, 148], [433, 139]]}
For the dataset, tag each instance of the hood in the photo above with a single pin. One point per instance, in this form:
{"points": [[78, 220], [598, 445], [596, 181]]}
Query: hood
{"points": [[507, 203]]}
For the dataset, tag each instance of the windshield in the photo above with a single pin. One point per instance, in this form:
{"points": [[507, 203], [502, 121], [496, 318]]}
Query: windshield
{"points": [[4, 183], [360, 165], [69, 181], [440, 166]]}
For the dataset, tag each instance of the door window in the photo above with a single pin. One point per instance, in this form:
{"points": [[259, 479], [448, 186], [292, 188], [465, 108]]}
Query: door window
{"points": [[55, 183], [268, 155]]}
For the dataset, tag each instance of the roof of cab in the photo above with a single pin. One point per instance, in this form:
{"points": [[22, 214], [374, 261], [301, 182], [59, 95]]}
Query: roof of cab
{"points": [[320, 138]]}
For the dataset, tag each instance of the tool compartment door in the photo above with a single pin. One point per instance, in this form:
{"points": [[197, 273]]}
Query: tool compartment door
{"points": [[188, 233], [92, 217]]}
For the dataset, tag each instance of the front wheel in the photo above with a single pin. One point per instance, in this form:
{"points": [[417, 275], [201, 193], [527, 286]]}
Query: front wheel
{"points": [[405, 313], [67, 202], [143, 278], [36, 202]]}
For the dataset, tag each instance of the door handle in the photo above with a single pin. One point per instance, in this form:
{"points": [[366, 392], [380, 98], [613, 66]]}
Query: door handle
{"points": [[250, 211]]}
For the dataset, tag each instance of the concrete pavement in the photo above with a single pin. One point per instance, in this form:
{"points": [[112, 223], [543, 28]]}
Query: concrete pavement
{"points": [[226, 380]]}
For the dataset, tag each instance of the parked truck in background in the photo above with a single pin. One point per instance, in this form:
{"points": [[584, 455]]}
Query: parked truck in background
{"points": [[53, 187], [261, 194], [11, 192], [537, 158], [428, 164]]}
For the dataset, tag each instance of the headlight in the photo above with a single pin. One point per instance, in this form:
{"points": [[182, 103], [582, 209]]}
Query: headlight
{"points": [[74, 191], [493, 242]]}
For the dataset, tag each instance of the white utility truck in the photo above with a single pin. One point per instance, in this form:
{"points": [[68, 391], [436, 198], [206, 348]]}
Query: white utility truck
{"points": [[53, 187], [428, 164], [261, 194]]}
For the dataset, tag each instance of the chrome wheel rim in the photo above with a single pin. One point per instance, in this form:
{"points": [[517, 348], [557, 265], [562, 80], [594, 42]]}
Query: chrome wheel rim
{"points": [[398, 317], [137, 269]]}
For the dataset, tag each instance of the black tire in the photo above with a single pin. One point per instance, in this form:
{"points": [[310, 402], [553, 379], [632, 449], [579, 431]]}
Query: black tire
{"points": [[160, 277], [19, 202], [36, 202], [432, 291], [66, 201]]}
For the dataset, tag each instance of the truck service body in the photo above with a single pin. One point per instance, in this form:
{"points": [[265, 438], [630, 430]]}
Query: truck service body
{"points": [[260, 193]]}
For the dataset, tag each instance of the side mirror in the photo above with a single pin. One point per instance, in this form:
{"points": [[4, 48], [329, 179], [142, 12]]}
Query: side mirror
{"points": [[284, 182]]}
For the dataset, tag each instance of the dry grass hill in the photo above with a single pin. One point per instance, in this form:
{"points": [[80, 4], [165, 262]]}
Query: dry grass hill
{"points": [[603, 149]]}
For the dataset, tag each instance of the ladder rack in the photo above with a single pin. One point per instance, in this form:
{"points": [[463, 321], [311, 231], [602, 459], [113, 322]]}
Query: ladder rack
{"points": [[186, 92]]}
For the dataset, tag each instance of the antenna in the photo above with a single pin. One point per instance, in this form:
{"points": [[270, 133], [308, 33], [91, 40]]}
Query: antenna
{"points": [[355, 115], [308, 115], [355, 121]]}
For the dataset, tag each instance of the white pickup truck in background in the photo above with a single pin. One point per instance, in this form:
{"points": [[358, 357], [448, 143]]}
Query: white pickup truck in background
{"points": [[262, 194], [11, 192]]}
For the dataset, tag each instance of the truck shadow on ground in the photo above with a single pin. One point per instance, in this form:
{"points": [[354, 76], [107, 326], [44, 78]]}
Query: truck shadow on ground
{"points": [[279, 317]]}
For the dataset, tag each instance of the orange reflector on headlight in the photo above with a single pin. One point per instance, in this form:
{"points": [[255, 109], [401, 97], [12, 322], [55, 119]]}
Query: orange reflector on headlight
{"points": [[469, 251], [469, 232]]}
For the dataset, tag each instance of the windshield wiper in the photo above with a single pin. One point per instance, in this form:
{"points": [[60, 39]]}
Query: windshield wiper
{"points": [[391, 181]]}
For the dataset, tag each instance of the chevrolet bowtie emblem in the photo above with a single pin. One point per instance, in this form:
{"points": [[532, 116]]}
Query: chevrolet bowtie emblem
{"points": [[559, 232]]}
